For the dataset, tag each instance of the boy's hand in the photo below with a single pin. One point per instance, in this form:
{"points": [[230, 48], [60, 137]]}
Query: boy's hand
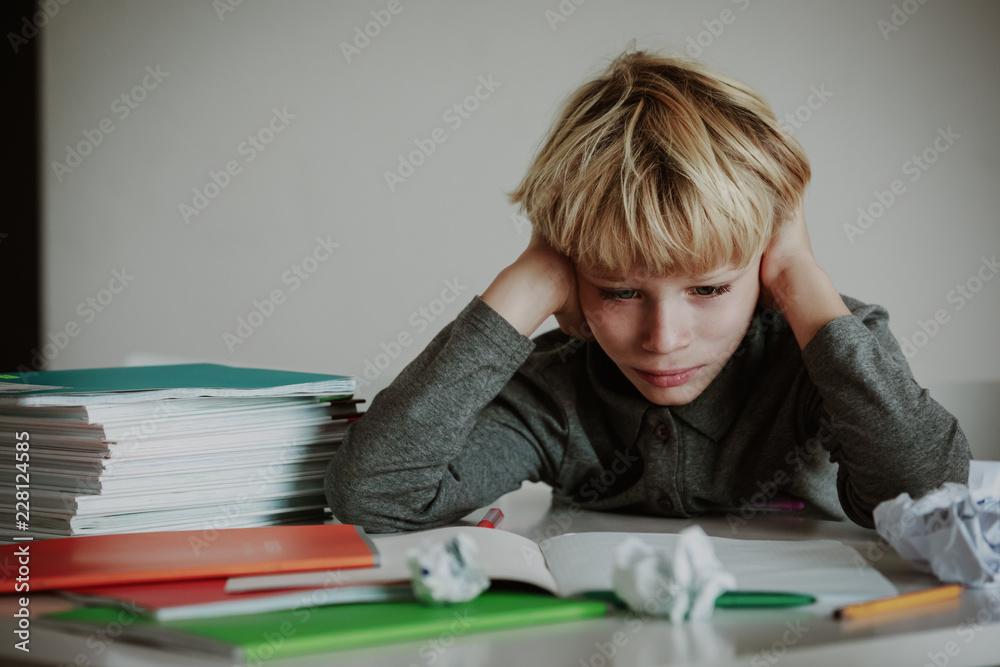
{"points": [[791, 281], [788, 252], [561, 278], [540, 283]]}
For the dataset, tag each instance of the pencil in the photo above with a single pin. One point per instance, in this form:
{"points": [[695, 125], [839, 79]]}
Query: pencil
{"points": [[905, 601]]}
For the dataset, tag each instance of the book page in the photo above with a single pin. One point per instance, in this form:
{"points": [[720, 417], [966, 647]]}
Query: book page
{"points": [[825, 569], [19, 387]]}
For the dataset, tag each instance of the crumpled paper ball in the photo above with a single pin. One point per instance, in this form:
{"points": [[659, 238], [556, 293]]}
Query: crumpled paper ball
{"points": [[446, 572], [948, 532], [680, 585]]}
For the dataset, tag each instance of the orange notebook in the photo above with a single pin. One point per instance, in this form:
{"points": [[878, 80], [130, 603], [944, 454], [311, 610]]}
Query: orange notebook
{"points": [[98, 560]]}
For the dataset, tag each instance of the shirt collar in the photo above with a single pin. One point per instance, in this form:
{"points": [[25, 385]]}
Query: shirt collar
{"points": [[625, 406], [712, 413], [717, 407]]}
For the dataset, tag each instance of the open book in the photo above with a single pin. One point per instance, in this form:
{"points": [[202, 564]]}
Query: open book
{"points": [[575, 563]]}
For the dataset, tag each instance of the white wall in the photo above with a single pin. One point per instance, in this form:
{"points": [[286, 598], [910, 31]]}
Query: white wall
{"points": [[887, 96]]}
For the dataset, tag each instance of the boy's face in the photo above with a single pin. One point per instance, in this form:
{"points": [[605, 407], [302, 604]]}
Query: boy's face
{"points": [[670, 335]]}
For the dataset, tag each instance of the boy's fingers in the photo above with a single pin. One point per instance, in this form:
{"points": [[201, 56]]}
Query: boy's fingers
{"points": [[536, 240]]}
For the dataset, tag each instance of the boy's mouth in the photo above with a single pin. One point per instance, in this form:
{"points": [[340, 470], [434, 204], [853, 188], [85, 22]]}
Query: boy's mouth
{"points": [[672, 377]]}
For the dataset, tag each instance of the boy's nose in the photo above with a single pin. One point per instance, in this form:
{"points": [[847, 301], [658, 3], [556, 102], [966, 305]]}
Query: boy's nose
{"points": [[666, 332]]}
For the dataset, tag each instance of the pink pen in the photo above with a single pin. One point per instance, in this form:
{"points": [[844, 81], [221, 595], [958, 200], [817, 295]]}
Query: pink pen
{"points": [[784, 503], [492, 519]]}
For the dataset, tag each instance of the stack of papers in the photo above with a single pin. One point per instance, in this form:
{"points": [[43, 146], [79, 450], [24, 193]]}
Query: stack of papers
{"points": [[187, 447]]}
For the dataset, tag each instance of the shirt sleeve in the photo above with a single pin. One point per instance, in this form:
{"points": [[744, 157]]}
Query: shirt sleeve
{"points": [[456, 429], [889, 435]]}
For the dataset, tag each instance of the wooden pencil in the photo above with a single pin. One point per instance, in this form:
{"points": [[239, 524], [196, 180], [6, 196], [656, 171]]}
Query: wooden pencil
{"points": [[904, 601]]}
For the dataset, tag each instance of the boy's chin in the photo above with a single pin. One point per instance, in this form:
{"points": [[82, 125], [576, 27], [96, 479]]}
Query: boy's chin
{"points": [[679, 395], [668, 396]]}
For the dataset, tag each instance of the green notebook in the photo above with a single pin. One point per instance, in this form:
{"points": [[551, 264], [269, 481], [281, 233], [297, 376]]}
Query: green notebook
{"points": [[255, 637], [145, 383]]}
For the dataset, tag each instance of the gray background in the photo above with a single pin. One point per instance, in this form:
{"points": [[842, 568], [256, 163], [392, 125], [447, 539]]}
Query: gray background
{"points": [[888, 92]]}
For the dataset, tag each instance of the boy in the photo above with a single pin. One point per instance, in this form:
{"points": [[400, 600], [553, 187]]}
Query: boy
{"points": [[704, 356]]}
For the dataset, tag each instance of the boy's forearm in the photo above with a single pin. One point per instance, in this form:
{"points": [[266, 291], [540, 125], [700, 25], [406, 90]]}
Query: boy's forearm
{"points": [[424, 453], [808, 300], [889, 435]]}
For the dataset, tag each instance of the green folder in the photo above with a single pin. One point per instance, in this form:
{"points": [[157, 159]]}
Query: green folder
{"points": [[171, 381], [255, 637]]}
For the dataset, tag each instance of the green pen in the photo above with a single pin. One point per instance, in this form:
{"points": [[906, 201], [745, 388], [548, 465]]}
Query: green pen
{"points": [[756, 599], [730, 599]]}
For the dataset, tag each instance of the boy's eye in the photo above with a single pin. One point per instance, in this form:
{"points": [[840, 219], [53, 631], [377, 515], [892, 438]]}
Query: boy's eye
{"points": [[712, 290], [618, 294]]}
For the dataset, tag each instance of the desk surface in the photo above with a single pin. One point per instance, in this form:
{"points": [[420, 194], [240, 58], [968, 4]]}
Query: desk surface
{"points": [[963, 632]]}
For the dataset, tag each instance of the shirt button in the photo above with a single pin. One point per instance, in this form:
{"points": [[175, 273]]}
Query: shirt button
{"points": [[665, 503], [662, 432]]}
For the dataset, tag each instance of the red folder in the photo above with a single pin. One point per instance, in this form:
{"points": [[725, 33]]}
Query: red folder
{"points": [[98, 560]]}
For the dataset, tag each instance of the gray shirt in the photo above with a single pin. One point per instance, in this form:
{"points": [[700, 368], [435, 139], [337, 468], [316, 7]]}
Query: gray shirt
{"points": [[841, 425]]}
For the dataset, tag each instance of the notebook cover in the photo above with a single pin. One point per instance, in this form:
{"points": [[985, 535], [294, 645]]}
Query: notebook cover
{"points": [[185, 378], [96, 560], [258, 637]]}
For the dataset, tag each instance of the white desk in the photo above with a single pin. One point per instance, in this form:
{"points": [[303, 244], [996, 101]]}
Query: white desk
{"points": [[962, 632]]}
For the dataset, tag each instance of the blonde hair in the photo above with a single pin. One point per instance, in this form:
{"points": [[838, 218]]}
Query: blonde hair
{"points": [[664, 164]]}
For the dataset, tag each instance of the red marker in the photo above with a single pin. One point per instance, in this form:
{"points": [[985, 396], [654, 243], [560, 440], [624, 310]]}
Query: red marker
{"points": [[492, 519]]}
